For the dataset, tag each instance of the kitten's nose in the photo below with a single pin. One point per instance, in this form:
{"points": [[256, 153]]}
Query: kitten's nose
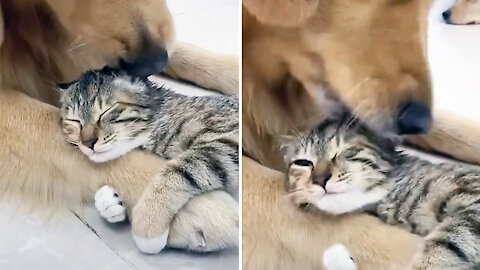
{"points": [[90, 143], [446, 15], [321, 179]]}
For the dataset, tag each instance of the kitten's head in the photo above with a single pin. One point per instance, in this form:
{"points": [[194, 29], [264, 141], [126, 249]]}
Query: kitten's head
{"points": [[106, 113], [344, 155]]}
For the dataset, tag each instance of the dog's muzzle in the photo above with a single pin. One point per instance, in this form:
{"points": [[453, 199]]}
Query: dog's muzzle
{"points": [[149, 63], [414, 117]]}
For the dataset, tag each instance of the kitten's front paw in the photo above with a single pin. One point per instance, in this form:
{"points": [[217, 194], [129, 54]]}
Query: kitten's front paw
{"points": [[151, 245], [306, 195], [299, 176], [150, 226], [110, 205], [337, 257]]}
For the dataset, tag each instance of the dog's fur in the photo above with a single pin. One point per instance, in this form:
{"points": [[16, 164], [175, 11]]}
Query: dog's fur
{"points": [[464, 12], [45, 42], [369, 54]]}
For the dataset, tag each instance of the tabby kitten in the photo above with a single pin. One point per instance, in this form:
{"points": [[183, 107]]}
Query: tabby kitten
{"points": [[342, 167], [108, 113]]}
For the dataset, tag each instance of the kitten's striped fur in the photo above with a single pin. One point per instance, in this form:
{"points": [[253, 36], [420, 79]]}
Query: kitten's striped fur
{"points": [[107, 113], [342, 167]]}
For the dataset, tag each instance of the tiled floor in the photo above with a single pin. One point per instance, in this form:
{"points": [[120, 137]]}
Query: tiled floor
{"points": [[85, 241]]}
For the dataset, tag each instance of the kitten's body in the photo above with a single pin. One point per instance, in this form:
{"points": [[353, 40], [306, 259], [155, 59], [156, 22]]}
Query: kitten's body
{"points": [[108, 113], [438, 201]]}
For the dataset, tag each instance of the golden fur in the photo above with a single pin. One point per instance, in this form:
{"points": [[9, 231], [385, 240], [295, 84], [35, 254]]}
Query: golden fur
{"points": [[465, 12], [370, 54], [45, 42]]}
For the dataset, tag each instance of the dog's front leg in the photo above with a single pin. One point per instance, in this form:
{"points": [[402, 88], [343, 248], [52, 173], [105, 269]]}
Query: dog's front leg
{"points": [[452, 135], [204, 68]]}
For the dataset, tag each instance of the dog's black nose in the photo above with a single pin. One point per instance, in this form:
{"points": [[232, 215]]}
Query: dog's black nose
{"points": [[149, 63], [446, 15], [414, 118]]}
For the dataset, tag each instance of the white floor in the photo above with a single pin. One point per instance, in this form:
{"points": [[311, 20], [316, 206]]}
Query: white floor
{"points": [[84, 241], [454, 53]]}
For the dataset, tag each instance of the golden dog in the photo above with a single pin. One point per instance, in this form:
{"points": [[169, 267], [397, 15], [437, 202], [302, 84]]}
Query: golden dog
{"points": [[46, 42], [302, 57], [463, 12]]}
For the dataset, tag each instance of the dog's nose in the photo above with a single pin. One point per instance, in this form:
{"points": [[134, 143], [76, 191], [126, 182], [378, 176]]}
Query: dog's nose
{"points": [[148, 63], [90, 143], [414, 118], [446, 15]]}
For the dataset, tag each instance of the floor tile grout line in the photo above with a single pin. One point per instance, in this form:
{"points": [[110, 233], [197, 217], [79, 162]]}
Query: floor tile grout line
{"points": [[130, 264]]}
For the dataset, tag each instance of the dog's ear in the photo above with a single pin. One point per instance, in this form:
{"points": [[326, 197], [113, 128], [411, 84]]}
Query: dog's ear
{"points": [[287, 13]]}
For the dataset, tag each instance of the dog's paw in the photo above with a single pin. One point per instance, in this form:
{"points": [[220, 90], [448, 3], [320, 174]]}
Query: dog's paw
{"points": [[110, 205], [151, 245], [337, 257]]}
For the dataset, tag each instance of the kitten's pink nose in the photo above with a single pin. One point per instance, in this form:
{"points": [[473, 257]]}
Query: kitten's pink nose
{"points": [[321, 179], [90, 143]]}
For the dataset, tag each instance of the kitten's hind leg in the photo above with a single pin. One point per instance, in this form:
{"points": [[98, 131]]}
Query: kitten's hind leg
{"points": [[110, 205], [337, 257]]}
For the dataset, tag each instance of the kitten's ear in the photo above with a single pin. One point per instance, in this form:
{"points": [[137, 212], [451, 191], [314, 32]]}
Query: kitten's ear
{"points": [[338, 111], [108, 70], [288, 146], [65, 86], [349, 120], [130, 84], [385, 142]]}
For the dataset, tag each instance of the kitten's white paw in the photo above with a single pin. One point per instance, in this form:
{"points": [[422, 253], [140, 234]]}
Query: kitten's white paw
{"points": [[153, 245], [109, 203], [337, 257]]}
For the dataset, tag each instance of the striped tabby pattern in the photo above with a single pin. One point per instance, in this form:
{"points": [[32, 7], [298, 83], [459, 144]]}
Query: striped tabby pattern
{"points": [[343, 167], [107, 113]]}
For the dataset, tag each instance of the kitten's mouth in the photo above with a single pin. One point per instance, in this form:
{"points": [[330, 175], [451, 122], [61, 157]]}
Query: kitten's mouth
{"points": [[102, 156], [112, 151], [88, 151], [100, 151], [331, 192]]}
